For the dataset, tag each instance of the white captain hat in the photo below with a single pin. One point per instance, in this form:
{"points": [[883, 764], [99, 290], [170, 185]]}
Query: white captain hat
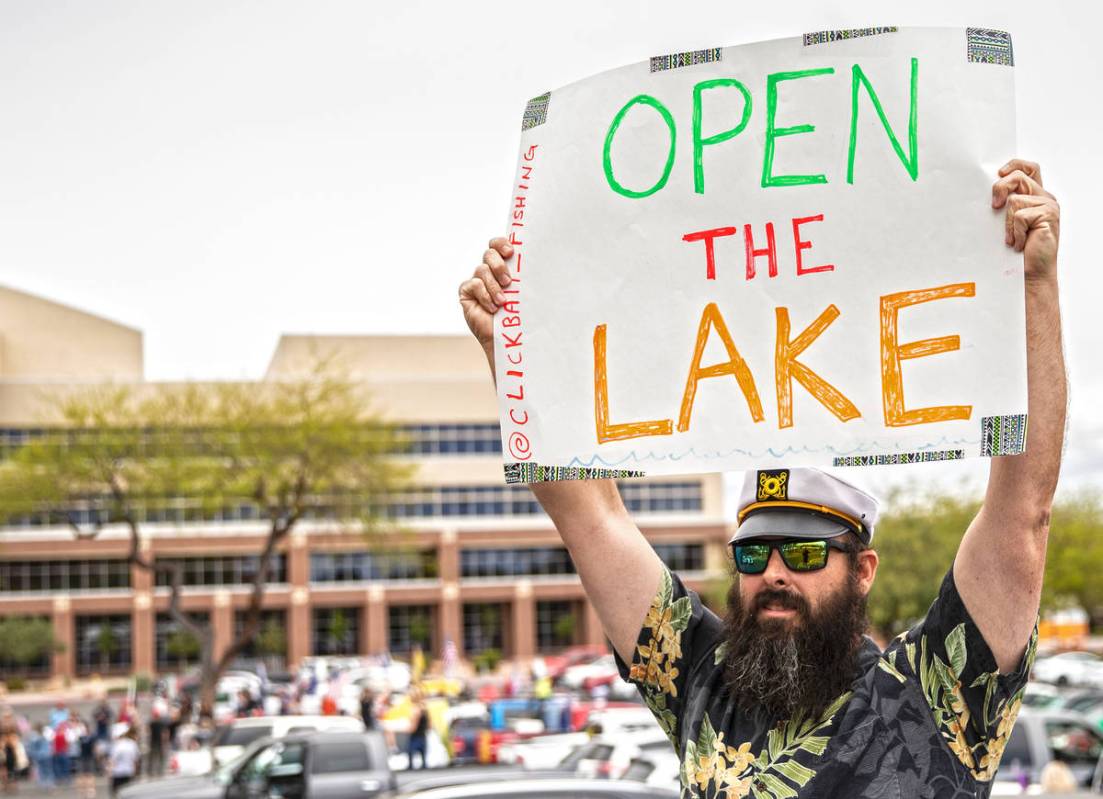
{"points": [[803, 503]]}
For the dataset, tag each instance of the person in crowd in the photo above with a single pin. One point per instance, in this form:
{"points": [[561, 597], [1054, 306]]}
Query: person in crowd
{"points": [[59, 714], [40, 752], [419, 734], [158, 740], [85, 740], [12, 756], [124, 760], [63, 768], [102, 716], [367, 708]]}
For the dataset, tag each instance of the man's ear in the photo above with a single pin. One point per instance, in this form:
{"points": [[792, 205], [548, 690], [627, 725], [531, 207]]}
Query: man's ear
{"points": [[867, 569]]}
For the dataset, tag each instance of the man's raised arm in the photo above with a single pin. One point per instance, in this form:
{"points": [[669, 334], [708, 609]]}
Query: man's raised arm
{"points": [[620, 571], [999, 566]]}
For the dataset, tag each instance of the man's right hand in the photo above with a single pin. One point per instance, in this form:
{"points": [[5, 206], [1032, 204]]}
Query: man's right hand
{"points": [[481, 294], [619, 570]]}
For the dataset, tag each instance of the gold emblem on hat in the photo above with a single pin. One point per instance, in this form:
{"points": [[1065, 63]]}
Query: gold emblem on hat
{"points": [[773, 485]]}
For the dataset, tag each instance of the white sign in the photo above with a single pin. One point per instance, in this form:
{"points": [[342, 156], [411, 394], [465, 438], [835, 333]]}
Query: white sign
{"points": [[782, 253]]}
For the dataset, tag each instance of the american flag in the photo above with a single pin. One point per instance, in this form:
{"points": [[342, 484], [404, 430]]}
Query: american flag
{"points": [[450, 658]]}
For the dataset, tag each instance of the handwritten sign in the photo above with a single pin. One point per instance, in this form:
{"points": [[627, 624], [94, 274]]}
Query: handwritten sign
{"points": [[777, 253]]}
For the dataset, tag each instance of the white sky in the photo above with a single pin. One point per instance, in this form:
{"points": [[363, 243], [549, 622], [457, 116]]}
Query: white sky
{"points": [[218, 173]]}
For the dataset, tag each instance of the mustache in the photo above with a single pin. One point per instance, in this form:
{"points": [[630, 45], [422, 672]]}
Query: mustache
{"points": [[784, 599]]}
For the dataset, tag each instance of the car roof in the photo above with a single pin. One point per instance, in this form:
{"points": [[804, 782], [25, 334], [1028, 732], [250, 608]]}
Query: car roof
{"points": [[1045, 714], [564, 785], [333, 735], [261, 721]]}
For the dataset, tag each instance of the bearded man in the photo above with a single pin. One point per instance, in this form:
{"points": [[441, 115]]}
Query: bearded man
{"points": [[785, 696]]}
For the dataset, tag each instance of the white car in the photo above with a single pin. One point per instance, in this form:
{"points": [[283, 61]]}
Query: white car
{"points": [[231, 739], [1070, 668], [616, 720], [576, 675], [544, 752], [609, 757]]}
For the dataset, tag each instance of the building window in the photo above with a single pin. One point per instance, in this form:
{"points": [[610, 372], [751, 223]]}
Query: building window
{"points": [[558, 624], [270, 642], [453, 439], [484, 626], [661, 497], [37, 629], [103, 644], [354, 567], [515, 562], [336, 631], [227, 570], [682, 556], [50, 576], [410, 625], [424, 502], [175, 647]]}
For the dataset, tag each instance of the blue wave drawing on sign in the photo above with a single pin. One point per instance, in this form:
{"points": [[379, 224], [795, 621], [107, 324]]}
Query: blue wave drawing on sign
{"points": [[863, 447]]}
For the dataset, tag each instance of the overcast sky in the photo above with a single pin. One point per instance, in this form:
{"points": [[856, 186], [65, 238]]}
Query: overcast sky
{"points": [[218, 173]]}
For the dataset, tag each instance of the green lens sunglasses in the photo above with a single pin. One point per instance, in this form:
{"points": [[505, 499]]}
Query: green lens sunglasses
{"points": [[799, 554]]}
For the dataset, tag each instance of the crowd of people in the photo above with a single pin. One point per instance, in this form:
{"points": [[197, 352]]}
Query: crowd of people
{"points": [[68, 751]]}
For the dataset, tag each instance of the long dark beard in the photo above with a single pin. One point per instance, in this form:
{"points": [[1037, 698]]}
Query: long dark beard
{"points": [[777, 669]]}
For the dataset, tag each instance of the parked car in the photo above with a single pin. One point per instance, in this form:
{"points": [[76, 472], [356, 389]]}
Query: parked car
{"points": [[549, 788], [575, 676], [543, 751], [1070, 668], [1039, 695], [662, 768], [607, 757], [1040, 736], [316, 765], [230, 739]]}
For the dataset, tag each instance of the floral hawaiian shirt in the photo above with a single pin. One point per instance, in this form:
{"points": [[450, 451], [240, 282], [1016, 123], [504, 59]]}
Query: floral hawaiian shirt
{"points": [[928, 717]]}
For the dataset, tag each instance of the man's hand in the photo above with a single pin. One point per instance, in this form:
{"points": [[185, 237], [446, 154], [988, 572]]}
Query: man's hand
{"points": [[999, 566], [620, 572], [1033, 218], [481, 295]]}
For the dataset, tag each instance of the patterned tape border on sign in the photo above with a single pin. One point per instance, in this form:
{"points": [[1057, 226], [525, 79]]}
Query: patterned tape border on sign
{"points": [[985, 46], [1003, 435], [536, 112], [903, 457], [535, 473], [823, 37], [660, 63]]}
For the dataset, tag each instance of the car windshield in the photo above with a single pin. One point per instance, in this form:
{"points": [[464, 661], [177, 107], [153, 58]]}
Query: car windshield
{"points": [[231, 735], [590, 751], [224, 774]]}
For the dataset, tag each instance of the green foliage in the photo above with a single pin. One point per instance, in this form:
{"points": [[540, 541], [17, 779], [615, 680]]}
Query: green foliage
{"points": [[563, 629], [487, 660], [143, 683], [15, 684], [917, 542], [272, 639], [420, 629], [306, 447], [26, 639], [106, 641], [1074, 559], [182, 645]]}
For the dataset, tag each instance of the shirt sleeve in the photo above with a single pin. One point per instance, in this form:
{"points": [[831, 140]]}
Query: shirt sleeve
{"points": [[677, 634], [974, 706]]}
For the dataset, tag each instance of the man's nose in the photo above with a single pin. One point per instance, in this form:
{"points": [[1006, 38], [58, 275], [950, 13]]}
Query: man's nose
{"points": [[777, 573]]}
